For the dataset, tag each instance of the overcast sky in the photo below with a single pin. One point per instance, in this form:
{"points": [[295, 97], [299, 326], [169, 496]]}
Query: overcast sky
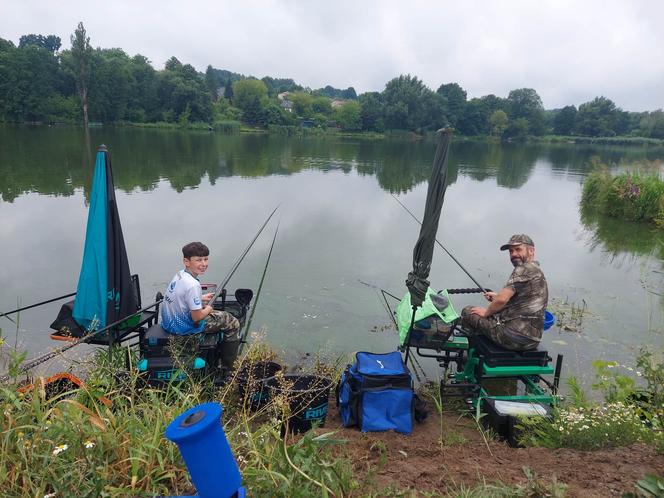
{"points": [[568, 50]]}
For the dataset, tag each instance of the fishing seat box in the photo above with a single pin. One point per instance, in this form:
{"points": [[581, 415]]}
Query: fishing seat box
{"points": [[497, 356], [160, 370], [156, 340]]}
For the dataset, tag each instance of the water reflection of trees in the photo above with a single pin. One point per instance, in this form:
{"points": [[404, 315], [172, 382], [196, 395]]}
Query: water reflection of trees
{"points": [[53, 161], [621, 241]]}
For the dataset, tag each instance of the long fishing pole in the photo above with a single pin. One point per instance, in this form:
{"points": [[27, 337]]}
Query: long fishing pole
{"points": [[34, 306], [47, 356], [222, 285], [258, 293], [442, 246]]}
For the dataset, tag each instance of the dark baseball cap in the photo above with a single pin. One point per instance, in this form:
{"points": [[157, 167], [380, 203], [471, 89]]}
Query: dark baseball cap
{"points": [[516, 240]]}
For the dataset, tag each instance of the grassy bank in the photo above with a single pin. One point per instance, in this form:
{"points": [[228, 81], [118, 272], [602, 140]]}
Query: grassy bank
{"points": [[107, 438], [634, 196]]}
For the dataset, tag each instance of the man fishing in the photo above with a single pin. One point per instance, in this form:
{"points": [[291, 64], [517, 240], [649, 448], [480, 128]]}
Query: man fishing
{"points": [[514, 318]]}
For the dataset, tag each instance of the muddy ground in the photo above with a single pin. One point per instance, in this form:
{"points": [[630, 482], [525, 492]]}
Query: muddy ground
{"points": [[425, 461]]}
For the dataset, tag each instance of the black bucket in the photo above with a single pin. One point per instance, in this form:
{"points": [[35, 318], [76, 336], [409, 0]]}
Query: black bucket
{"points": [[307, 397], [251, 382]]}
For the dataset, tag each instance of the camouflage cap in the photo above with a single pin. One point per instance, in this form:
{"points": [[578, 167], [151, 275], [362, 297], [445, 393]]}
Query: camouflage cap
{"points": [[516, 240]]}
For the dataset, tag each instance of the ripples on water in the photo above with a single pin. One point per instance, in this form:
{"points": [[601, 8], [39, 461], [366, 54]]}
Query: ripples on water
{"points": [[338, 224]]}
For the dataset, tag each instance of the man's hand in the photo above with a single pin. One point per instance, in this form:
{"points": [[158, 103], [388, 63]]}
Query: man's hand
{"points": [[490, 296], [478, 310]]}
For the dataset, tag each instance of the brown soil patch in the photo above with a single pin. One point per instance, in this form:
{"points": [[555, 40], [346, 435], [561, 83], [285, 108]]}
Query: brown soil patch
{"points": [[420, 462]]}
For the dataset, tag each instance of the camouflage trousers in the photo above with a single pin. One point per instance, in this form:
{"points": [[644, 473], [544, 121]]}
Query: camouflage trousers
{"points": [[473, 324], [218, 321]]}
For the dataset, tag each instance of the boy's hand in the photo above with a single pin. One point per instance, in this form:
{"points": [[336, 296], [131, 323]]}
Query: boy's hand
{"points": [[208, 296]]}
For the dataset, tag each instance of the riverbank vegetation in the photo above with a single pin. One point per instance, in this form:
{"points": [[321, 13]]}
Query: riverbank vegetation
{"points": [[627, 413], [40, 83], [106, 438], [636, 195]]}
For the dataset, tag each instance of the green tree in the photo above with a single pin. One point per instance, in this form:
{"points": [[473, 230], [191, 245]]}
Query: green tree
{"points": [[565, 121], [51, 43], [321, 105], [477, 112], [455, 102], [211, 81], [498, 122], [599, 117], [372, 111], [410, 104], [518, 129], [81, 52], [111, 84], [652, 124], [273, 114], [348, 116], [250, 96], [29, 83], [181, 89], [526, 103], [143, 103], [275, 86], [302, 104], [228, 89]]}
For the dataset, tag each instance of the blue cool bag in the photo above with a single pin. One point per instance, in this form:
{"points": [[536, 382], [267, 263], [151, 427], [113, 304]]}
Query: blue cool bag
{"points": [[376, 393]]}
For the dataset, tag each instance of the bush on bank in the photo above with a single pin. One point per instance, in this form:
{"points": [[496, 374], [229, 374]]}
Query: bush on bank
{"points": [[631, 196]]}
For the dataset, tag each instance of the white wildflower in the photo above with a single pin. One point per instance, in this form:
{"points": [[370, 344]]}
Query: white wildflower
{"points": [[89, 444], [49, 495], [59, 449]]}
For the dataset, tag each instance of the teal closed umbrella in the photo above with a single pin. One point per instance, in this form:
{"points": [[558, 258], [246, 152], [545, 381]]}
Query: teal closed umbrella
{"points": [[104, 293]]}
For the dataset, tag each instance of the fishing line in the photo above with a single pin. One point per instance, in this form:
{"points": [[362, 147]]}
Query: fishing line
{"points": [[441, 245], [223, 284]]}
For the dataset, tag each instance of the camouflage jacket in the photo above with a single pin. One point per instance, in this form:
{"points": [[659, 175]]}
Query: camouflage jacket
{"points": [[524, 312]]}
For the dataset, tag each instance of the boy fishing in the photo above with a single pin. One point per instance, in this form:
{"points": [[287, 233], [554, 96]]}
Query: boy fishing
{"points": [[186, 309]]}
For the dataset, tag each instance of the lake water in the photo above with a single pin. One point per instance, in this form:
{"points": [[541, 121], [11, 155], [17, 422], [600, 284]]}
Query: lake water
{"points": [[338, 225]]}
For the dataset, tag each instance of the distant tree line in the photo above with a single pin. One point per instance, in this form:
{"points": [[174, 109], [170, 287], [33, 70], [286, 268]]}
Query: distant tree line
{"points": [[41, 83]]}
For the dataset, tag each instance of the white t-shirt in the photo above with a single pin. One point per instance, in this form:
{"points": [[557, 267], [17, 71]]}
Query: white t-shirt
{"points": [[183, 295]]}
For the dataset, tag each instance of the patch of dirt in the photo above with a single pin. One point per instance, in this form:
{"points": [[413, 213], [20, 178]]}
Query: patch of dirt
{"points": [[421, 462]]}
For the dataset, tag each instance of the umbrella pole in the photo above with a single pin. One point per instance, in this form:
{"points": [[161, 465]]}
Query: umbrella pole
{"points": [[412, 324]]}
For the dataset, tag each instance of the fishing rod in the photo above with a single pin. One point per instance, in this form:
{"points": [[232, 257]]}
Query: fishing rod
{"points": [[34, 306], [385, 304], [442, 246], [222, 285], [47, 356], [258, 293]]}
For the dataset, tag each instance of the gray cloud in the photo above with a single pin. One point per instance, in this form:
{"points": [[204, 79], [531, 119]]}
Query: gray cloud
{"points": [[568, 51]]}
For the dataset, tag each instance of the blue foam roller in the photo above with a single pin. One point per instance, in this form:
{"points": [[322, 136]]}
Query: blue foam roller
{"points": [[205, 450]]}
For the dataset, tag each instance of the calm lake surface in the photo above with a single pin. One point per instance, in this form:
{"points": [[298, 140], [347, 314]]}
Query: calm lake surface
{"points": [[338, 226]]}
